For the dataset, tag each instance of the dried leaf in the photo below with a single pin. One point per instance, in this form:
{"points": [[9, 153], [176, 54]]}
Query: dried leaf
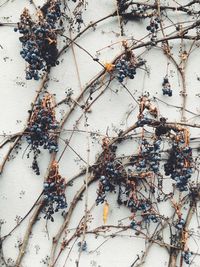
{"points": [[109, 67], [105, 212], [184, 55]]}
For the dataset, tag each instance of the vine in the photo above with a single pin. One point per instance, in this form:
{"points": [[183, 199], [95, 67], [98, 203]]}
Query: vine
{"points": [[160, 166]]}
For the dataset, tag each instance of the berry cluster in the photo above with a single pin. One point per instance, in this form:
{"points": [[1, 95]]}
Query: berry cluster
{"points": [[39, 38], [54, 192], [133, 225], [166, 87], [187, 256], [179, 163], [180, 224], [144, 207], [149, 156], [151, 217], [82, 245], [113, 177], [147, 217], [105, 184], [41, 129], [126, 67], [108, 172], [128, 197], [153, 28]]}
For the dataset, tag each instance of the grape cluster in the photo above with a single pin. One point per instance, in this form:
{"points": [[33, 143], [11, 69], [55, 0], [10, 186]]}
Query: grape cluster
{"points": [[126, 67], [126, 196], [109, 178], [51, 11], [41, 129], [166, 87], [39, 38], [147, 217], [149, 156], [35, 166], [113, 177], [82, 245], [179, 164], [151, 217], [153, 28], [143, 206], [154, 218], [54, 192], [133, 225], [180, 224], [109, 172], [187, 256], [134, 204]]}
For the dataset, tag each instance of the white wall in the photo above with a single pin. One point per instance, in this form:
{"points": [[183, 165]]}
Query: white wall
{"points": [[20, 187]]}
